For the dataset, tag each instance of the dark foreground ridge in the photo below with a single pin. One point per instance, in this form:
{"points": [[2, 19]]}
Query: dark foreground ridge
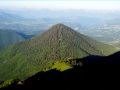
{"points": [[100, 74]]}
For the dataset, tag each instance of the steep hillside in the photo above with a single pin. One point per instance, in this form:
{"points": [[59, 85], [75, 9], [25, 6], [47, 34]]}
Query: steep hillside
{"points": [[8, 37], [100, 74], [58, 43]]}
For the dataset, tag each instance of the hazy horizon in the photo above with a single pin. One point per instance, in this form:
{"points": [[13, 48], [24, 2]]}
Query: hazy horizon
{"points": [[60, 4]]}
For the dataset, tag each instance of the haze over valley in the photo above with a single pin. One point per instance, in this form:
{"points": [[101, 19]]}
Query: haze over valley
{"points": [[89, 22]]}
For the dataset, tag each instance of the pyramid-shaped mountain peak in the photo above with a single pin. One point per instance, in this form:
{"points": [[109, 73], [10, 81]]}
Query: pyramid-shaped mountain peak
{"points": [[60, 31], [57, 43], [59, 26]]}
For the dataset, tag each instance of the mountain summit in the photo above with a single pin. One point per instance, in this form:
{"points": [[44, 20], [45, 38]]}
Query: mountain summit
{"points": [[58, 43]]}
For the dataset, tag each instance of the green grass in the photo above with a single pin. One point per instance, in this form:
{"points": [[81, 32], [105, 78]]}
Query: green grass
{"points": [[8, 82], [61, 66], [58, 65]]}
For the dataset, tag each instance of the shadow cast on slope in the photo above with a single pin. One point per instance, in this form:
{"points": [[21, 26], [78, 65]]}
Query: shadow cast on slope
{"points": [[100, 74]]}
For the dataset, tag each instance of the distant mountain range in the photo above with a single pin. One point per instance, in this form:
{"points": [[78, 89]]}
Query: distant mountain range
{"points": [[40, 13], [20, 24], [58, 43], [35, 26], [9, 17], [9, 37], [90, 23]]}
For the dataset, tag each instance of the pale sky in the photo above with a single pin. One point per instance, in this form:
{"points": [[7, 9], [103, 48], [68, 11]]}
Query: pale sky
{"points": [[61, 4]]}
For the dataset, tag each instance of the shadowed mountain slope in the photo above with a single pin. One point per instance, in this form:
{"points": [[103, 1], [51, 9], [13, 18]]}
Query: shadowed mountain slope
{"points": [[100, 74], [58, 43]]}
